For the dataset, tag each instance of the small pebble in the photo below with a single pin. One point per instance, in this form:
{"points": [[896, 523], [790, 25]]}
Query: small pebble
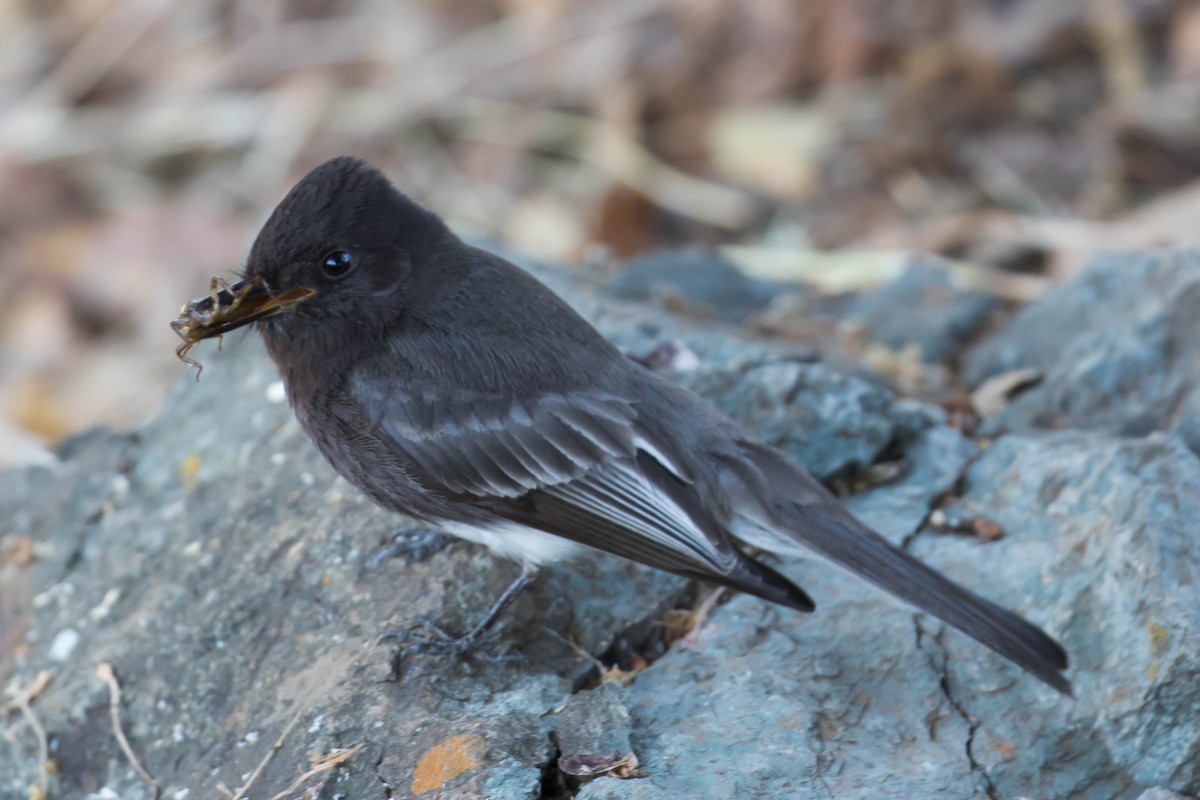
{"points": [[101, 611], [64, 644], [120, 486]]}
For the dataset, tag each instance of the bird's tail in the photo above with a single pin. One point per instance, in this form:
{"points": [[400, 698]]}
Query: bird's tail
{"points": [[803, 511]]}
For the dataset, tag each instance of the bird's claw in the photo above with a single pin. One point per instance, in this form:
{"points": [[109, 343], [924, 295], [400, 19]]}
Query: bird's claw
{"points": [[429, 639], [411, 546]]}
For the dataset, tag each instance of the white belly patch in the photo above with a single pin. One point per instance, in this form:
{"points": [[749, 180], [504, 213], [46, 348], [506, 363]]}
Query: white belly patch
{"points": [[518, 542]]}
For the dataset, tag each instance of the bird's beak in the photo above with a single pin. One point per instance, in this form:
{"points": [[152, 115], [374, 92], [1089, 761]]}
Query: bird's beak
{"points": [[227, 308]]}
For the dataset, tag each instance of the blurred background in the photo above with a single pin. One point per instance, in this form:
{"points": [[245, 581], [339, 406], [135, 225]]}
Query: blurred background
{"points": [[143, 141]]}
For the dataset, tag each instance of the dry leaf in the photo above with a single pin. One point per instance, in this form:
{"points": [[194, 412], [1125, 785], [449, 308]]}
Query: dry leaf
{"points": [[591, 766], [986, 529], [994, 394]]}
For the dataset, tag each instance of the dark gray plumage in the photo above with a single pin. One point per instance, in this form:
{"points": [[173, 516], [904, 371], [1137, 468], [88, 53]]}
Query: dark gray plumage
{"points": [[451, 386]]}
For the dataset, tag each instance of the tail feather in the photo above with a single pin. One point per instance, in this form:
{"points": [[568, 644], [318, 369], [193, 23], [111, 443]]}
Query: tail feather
{"points": [[799, 507], [868, 554]]}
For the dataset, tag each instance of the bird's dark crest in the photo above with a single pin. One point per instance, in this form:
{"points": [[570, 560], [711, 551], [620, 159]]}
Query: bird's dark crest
{"points": [[342, 198]]}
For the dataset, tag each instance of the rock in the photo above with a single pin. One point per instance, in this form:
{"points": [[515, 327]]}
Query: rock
{"points": [[769, 703], [1112, 524], [1119, 348], [703, 280], [922, 315], [1159, 793], [592, 731], [833, 423], [221, 567], [1188, 430], [923, 308], [935, 458]]}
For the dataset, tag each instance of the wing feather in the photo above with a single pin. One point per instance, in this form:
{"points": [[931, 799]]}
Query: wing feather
{"points": [[611, 437], [621, 493], [580, 450], [550, 464], [571, 443]]}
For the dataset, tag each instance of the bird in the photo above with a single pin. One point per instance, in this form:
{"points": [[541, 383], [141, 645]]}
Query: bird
{"points": [[451, 386]]}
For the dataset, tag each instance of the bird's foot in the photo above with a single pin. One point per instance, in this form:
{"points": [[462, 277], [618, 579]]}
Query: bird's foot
{"points": [[432, 639], [411, 546], [429, 638]]}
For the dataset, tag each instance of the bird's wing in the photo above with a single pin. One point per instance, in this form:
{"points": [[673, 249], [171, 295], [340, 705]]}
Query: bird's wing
{"points": [[490, 446], [577, 465]]}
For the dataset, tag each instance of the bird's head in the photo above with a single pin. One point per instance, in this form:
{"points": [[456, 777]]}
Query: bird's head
{"points": [[332, 260]]}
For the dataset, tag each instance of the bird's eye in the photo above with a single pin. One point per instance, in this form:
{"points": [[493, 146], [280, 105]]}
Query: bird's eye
{"points": [[337, 263]]}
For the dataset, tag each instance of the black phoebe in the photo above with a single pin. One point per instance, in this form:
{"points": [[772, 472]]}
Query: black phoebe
{"points": [[450, 385]]}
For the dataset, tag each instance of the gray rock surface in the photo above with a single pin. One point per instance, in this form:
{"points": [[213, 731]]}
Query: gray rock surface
{"points": [[1160, 794], [700, 279], [223, 569], [833, 422], [1119, 349], [592, 731], [923, 308], [1112, 524]]}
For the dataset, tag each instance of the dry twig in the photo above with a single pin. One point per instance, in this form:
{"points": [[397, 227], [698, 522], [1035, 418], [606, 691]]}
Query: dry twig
{"points": [[105, 672], [322, 764], [275, 748], [700, 615], [22, 703]]}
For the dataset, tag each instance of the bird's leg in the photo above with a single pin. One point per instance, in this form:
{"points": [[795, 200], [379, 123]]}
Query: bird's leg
{"points": [[429, 638], [412, 545]]}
